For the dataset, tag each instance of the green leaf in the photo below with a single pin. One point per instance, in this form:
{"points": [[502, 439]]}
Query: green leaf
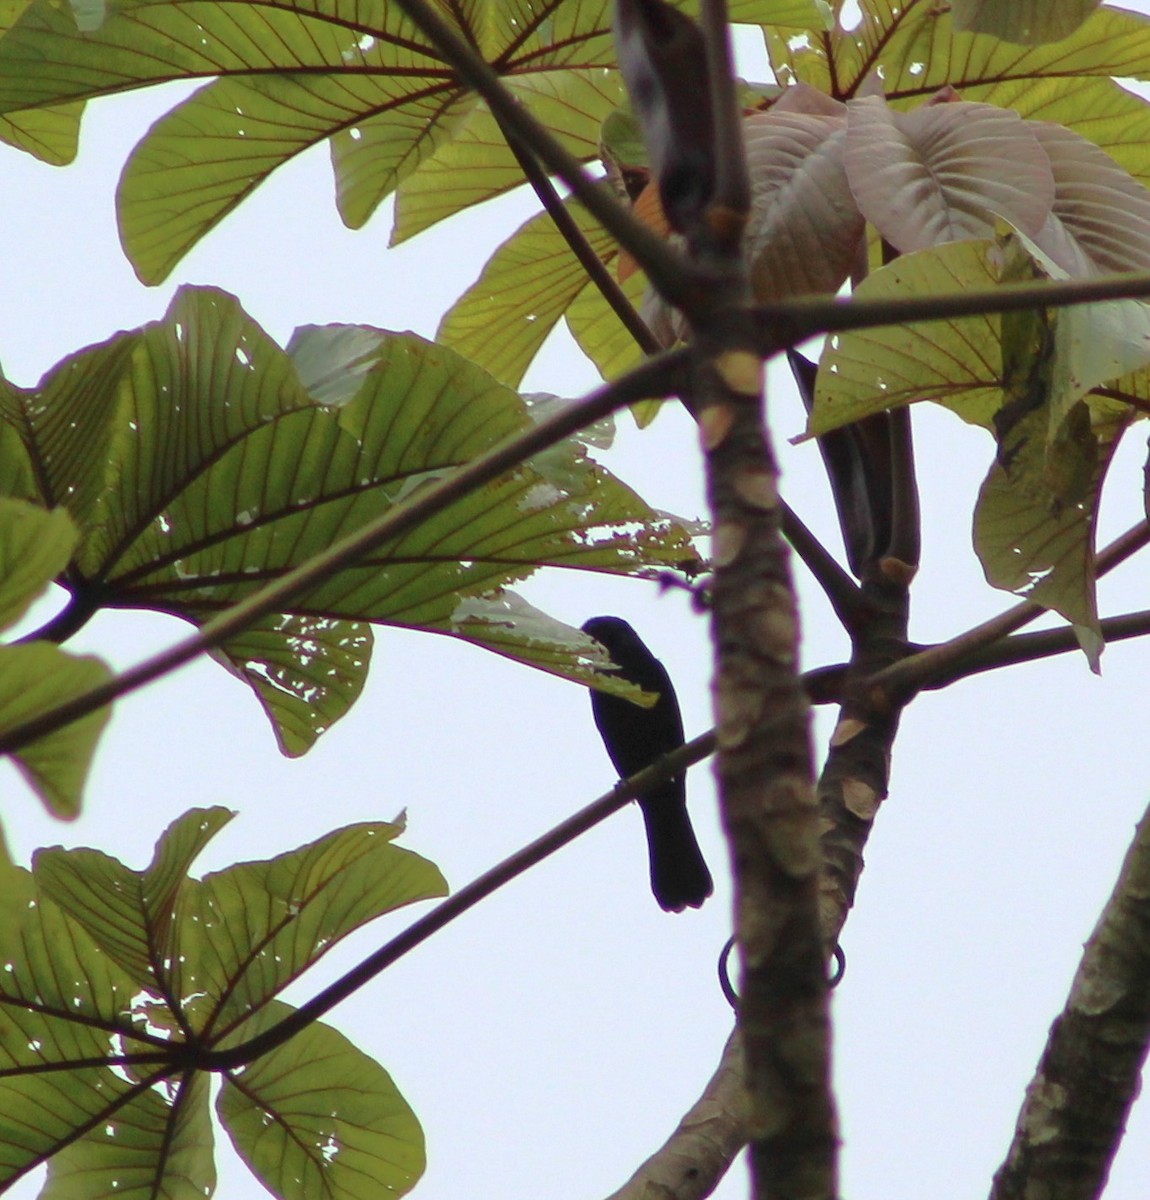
{"points": [[198, 466], [1030, 22], [130, 914], [17, 473], [530, 281], [1035, 519], [36, 544], [956, 362], [960, 363], [600, 334], [108, 971], [288, 75], [33, 679], [318, 1117], [63, 1002], [253, 928], [51, 135], [914, 47], [476, 164], [159, 1143]]}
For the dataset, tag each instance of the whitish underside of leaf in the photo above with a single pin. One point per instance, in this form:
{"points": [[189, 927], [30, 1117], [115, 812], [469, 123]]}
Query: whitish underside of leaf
{"points": [[1100, 220], [805, 229]]}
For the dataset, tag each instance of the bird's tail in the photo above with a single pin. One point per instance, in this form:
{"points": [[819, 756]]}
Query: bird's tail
{"points": [[679, 875]]}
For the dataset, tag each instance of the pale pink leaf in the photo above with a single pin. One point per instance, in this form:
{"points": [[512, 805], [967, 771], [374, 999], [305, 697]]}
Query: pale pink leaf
{"points": [[805, 229], [944, 172], [1100, 221]]}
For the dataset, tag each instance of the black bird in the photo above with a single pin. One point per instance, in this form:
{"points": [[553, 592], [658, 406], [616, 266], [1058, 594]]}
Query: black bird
{"points": [[635, 737]]}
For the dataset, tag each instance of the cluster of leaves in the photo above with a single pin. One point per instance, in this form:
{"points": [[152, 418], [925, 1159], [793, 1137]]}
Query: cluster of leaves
{"points": [[119, 986]]}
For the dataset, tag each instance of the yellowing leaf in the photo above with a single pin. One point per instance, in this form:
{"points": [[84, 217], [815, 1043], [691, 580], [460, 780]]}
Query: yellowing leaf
{"points": [[1026, 21]]}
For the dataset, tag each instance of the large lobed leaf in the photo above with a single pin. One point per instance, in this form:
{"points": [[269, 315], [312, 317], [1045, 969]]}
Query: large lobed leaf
{"points": [[109, 970], [199, 461]]}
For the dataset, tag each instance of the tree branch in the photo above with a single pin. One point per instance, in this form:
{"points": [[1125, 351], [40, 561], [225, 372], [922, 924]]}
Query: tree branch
{"points": [[841, 591], [916, 671], [667, 270], [1029, 647], [596, 269], [700, 1151], [1076, 1106], [455, 906], [656, 377], [777, 327]]}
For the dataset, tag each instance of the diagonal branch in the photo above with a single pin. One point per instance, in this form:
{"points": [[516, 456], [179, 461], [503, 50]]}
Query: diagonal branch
{"points": [[700, 1151], [946, 659], [596, 269], [666, 269], [654, 378], [1029, 647], [1076, 1106], [455, 906]]}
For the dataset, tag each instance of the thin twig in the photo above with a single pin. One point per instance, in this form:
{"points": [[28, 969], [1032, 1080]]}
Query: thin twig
{"points": [[777, 327], [596, 269], [666, 269], [1029, 647], [455, 906]]}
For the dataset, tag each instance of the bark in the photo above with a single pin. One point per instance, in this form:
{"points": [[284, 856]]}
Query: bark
{"points": [[1076, 1106]]}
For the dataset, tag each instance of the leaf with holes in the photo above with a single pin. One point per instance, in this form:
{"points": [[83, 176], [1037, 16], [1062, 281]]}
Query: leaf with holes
{"points": [[287, 76], [198, 465], [110, 972], [318, 1117]]}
